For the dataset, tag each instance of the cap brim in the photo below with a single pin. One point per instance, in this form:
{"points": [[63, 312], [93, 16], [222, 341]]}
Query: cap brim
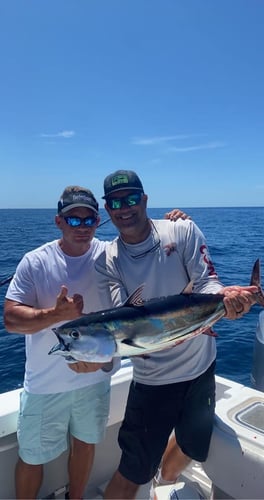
{"points": [[77, 205], [122, 189]]}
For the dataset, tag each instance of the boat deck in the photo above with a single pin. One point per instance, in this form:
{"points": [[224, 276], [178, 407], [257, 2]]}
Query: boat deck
{"points": [[235, 462]]}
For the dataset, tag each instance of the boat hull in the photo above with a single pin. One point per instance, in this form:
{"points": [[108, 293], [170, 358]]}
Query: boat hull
{"points": [[235, 464]]}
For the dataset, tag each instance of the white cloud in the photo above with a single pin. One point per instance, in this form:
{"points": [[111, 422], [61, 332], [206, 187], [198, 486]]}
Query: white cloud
{"points": [[147, 141], [155, 161], [209, 145], [66, 134]]}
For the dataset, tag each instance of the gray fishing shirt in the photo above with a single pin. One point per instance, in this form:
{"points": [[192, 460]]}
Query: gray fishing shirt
{"points": [[173, 255]]}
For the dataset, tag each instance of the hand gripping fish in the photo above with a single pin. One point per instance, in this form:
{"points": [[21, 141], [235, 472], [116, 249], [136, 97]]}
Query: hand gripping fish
{"points": [[141, 327]]}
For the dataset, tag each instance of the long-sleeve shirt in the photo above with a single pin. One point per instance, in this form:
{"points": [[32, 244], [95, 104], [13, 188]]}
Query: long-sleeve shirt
{"points": [[173, 255]]}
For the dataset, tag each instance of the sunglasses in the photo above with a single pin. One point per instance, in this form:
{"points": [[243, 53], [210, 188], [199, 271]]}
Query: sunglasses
{"points": [[130, 200], [78, 221]]}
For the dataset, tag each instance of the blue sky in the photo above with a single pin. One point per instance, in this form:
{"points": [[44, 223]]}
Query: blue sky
{"points": [[172, 89]]}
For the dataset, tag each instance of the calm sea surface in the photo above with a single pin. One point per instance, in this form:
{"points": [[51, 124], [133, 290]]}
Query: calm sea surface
{"points": [[235, 237]]}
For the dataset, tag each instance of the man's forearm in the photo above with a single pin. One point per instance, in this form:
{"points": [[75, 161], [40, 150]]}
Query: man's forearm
{"points": [[28, 320]]}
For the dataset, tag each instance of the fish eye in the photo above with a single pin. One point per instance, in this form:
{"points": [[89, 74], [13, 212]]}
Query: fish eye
{"points": [[75, 334]]}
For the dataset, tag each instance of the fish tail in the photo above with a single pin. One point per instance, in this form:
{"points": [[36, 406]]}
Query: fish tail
{"points": [[255, 281]]}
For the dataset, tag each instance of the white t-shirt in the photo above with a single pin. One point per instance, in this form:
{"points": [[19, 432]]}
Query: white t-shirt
{"points": [[37, 283], [122, 268]]}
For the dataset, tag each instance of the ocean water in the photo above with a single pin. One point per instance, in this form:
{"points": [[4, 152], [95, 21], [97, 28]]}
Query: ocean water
{"points": [[235, 238]]}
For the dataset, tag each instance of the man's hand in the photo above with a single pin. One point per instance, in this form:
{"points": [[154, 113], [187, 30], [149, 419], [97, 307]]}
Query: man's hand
{"points": [[85, 367], [21, 318], [175, 214], [238, 300], [68, 307]]}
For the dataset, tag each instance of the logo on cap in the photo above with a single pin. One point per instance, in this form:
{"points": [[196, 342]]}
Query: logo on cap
{"points": [[80, 197], [120, 179]]}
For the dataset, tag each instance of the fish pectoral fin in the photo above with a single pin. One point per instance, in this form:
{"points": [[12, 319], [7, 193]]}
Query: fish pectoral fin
{"points": [[210, 332], [131, 343]]}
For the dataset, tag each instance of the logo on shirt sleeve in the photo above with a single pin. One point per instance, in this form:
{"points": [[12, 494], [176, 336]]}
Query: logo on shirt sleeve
{"points": [[206, 258]]}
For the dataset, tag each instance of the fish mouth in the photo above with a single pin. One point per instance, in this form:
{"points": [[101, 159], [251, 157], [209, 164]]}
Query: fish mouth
{"points": [[63, 349], [61, 346], [58, 347]]}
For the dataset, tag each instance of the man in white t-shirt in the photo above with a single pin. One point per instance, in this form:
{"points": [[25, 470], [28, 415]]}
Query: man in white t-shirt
{"points": [[52, 284], [173, 389]]}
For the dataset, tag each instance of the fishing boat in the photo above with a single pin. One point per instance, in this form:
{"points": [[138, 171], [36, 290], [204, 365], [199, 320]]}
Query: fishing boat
{"points": [[235, 464]]}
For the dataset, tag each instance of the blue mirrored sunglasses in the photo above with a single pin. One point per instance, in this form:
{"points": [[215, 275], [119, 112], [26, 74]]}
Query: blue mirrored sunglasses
{"points": [[78, 221], [130, 201]]}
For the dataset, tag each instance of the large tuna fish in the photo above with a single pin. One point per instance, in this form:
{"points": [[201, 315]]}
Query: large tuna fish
{"points": [[140, 327]]}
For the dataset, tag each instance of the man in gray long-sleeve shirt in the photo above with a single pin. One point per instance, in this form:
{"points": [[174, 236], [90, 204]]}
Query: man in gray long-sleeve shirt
{"points": [[173, 389]]}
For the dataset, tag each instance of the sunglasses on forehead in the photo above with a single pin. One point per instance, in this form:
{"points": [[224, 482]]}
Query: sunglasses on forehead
{"points": [[78, 221], [129, 201]]}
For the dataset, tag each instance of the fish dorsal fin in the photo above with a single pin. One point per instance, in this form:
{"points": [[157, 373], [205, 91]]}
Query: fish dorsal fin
{"points": [[189, 288], [135, 299]]}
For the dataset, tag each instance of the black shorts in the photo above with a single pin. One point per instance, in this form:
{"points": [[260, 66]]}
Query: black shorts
{"points": [[152, 412]]}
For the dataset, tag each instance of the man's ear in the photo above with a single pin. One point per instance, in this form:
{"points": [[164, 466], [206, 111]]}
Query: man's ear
{"points": [[58, 221], [107, 209]]}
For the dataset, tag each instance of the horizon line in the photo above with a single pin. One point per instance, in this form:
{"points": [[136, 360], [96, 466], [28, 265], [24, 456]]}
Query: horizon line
{"points": [[149, 207]]}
